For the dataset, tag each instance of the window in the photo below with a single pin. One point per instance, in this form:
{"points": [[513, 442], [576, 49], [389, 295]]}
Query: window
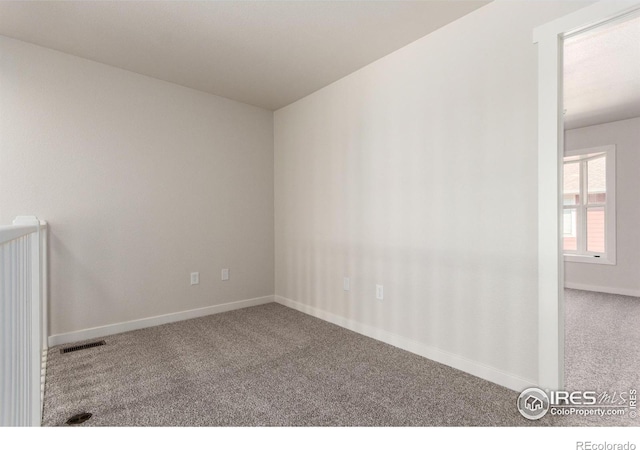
{"points": [[588, 201]]}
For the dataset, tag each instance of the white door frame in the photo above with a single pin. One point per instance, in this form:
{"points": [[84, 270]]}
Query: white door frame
{"points": [[549, 38]]}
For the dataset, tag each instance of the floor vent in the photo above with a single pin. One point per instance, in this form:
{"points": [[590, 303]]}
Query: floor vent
{"points": [[79, 418], [82, 347]]}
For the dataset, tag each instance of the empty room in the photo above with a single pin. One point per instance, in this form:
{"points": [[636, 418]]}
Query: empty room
{"points": [[319, 214], [601, 197]]}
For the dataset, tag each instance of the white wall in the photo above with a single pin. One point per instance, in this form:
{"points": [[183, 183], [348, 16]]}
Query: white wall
{"points": [[142, 182], [418, 172], [624, 277]]}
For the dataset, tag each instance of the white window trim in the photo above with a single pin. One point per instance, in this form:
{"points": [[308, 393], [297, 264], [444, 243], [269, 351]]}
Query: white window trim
{"points": [[609, 257]]}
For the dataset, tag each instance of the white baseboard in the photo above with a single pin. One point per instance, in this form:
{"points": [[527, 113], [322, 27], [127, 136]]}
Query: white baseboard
{"points": [[492, 374], [606, 290], [107, 330]]}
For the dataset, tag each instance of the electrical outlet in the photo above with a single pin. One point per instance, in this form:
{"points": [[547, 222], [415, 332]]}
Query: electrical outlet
{"points": [[225, 274], [346, 284], [195, 278], [379, 292]]}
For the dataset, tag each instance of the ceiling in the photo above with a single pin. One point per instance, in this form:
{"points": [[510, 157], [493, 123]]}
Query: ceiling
{"points": [[602, 74], [265, 53]]}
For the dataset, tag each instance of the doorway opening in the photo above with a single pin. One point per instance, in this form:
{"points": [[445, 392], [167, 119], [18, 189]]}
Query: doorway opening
{"points": [[601, 206], [551, 302]]}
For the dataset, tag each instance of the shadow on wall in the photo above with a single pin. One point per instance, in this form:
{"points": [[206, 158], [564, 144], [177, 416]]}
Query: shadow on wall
{"points": [[429, 296]]}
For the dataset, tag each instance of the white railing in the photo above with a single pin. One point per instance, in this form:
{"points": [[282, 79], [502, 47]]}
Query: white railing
{"points": [[23, 323]]}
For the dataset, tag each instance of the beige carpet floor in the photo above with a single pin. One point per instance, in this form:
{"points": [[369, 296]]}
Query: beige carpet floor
{"points": [[602, 346], [268, 366]]}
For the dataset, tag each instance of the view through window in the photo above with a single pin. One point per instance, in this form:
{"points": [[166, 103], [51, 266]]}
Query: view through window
{"points": [[586, 204]]}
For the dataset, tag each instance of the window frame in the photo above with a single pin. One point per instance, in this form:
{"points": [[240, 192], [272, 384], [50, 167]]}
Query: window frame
{"points": [[582, 255]]}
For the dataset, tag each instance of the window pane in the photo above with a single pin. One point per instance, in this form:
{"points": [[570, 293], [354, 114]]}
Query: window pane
{"points": [[595, 229], [571, 183], [569, 229], [597, 180], [569, 222]]}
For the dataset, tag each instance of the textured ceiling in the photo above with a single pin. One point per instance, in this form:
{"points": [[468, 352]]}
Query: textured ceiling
{"points": [[265, 53], [602, 75]]}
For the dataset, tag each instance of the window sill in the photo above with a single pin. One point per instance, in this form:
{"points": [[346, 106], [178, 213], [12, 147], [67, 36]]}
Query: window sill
{"points": [[589, 259]]}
